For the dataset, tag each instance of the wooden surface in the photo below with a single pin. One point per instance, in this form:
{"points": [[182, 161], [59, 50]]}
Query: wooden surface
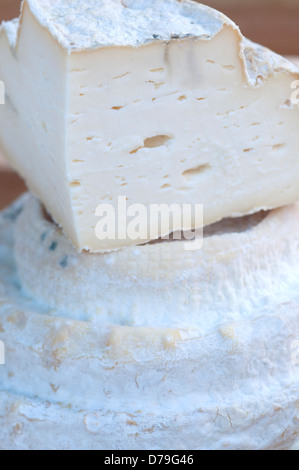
{"points": [[11, 186], [9, 9]]}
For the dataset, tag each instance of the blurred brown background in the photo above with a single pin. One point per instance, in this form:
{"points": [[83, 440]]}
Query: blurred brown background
{"points": [[273, 23]]}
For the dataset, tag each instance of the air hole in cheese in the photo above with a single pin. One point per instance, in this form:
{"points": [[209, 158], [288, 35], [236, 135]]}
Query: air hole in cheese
{"points": [[196, 171], [157, 141]]}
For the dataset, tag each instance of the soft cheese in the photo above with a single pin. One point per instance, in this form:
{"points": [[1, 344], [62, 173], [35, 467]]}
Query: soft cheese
{"points": [[158, 102], [200, 374]]}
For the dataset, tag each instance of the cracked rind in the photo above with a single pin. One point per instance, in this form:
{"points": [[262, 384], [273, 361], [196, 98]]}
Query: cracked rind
{"points": [[70, 384], [28, 421]]}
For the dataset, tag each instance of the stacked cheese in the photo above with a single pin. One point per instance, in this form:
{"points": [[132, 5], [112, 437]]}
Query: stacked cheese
{"points": [[145, 348], [150, 346]]}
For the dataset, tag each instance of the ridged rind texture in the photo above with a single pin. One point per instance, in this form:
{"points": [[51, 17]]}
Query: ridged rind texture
{"points": [[87, 384]]}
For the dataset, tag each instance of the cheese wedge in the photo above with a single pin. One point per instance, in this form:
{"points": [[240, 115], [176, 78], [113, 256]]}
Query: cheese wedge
{"points": [[156, 102], [146, 348]]}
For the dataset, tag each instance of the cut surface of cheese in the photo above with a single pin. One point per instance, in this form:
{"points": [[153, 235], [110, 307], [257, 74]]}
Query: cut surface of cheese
{"points": [[214, 369], [156, 102]]}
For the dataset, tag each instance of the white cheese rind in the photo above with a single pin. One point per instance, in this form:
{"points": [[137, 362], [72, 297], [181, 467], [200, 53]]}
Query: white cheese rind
{"points": [[90, 24], [89, 384], [11, 29], [224, 117]]}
